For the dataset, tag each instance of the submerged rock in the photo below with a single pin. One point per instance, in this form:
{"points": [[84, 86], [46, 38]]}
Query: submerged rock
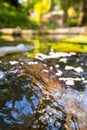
{"points": [[71, 103], [35, 98]]}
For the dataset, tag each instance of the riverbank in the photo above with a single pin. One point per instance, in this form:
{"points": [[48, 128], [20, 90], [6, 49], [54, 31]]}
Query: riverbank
{"points": [[15, 31]]}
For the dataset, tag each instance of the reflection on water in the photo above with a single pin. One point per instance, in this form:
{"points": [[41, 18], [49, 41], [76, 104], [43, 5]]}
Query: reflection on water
{"points": [[43, 90]]}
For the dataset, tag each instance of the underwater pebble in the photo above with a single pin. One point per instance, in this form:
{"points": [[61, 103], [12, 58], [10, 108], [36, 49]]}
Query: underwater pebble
{"points": [[2, 75]]}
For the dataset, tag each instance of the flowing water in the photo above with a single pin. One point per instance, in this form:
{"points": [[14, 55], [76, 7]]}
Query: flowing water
{"points": [[44, 88]]}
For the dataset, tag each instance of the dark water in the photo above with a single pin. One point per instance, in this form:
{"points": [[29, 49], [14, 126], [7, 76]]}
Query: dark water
{"points": [[43, 89]]}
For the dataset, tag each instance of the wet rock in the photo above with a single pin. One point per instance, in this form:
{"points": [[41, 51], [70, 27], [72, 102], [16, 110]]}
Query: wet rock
{"points": [[69, 101], [2, 77]]}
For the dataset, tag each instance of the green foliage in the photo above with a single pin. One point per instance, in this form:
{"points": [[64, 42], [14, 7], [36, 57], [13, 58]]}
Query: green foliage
{"points": [[52, 26], [18, 16], [73, 2], [72, 22], [10, 17], [31, 3], [15, 19], [49, 25], [62, 3]]}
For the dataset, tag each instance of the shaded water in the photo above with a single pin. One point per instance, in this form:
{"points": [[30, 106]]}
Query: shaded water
{"points": [[44, 89]]}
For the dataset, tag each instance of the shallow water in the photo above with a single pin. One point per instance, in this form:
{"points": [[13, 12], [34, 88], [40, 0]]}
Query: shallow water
{"points": [[43, 89]]}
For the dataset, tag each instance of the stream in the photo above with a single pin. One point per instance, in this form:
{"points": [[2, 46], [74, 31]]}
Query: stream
{"points": [[43, 88]]}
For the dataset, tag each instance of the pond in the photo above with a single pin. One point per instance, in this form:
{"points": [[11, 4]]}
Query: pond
{"points": [[44, 88]]}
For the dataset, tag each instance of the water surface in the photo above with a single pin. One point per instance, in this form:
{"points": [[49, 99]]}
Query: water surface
{"points": [[44, 88]]}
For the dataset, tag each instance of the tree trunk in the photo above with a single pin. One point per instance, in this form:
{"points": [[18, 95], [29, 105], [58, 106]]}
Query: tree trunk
{"points": [[13, 2], [65, 16], [83, 14]]}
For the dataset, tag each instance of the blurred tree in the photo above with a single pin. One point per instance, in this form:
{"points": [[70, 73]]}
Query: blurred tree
{"points": [[40, 7], [83, 14], [31, 3], [81, 8], [12, 2], [64, 5]]}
